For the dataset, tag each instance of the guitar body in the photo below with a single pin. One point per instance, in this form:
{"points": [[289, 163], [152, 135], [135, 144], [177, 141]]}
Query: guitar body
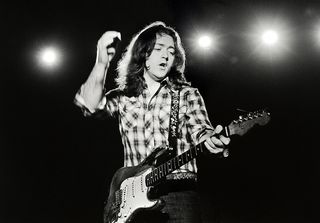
{"points": [[129, 193]]}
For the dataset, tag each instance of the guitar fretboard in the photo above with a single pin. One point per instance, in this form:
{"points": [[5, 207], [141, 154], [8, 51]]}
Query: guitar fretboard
{"points": [[164, 169], [236, 127]]}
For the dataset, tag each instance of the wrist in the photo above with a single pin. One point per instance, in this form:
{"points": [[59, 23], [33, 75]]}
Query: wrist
{"points": [[101, 65]]}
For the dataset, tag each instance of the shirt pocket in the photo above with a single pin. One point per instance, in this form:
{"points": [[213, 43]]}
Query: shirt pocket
{"points": [[129, 113]]}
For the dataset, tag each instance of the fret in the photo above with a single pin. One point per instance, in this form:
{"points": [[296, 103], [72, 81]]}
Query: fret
{"points": [[172, 165], [198, 149], [180, 162], [175, 160], [183, 158], [188, 154], [152, 178], [160, 172], [163, 167], [155, 174], [169, 163], [186, 157], [192, 152]]}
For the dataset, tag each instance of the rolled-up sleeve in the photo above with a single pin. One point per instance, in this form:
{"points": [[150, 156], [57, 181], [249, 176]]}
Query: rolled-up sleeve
{"points": [[108, 105], [198, 123]]}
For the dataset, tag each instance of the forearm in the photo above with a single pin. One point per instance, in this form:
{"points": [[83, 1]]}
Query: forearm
{"points": [[92, 90]]}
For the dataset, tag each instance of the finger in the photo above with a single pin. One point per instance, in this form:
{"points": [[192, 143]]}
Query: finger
{"points": [[218, 129], [111, 34], [119, 35], [214, 142], [111, 51], [212, 149], [108, 37], [217, 142], [224, 140]]}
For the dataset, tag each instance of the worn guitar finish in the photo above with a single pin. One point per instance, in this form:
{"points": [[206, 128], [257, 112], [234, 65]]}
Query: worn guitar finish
{"points": [[130, 186]]}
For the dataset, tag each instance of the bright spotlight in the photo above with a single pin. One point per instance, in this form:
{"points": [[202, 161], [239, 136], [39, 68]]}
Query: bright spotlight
{"points": [[205, 42], [317, 35], [270, 37], [49, 57]]}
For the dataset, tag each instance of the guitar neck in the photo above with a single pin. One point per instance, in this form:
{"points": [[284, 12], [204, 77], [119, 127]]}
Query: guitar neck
{"points": [[161, 171], [236, 127]]}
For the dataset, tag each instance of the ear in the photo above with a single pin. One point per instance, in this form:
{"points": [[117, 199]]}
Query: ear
{"points": [[147, 65]]}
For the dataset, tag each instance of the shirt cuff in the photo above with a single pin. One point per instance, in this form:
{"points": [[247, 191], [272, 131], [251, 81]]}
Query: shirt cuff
{"points": [[80, 102], [202, 135]]}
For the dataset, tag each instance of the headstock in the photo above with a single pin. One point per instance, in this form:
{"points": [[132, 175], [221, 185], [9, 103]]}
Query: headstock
{"points": [[244, 123]]}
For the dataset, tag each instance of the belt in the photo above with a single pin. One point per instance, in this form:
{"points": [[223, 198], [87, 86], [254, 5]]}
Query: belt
{"points": [[182, 176], [175, 182]]}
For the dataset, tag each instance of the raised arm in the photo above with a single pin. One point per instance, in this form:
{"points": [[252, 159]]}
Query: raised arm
{"points": [[91, 92]]}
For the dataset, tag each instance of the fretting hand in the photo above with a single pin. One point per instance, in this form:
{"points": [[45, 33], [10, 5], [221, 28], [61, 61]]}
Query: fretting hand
{"points": [[216, 143]]}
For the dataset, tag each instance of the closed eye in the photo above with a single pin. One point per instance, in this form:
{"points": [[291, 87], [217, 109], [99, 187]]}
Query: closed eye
{"points": [[172, 52]]}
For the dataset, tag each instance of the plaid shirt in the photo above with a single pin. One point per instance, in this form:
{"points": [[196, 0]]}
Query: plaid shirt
{"points": [[145, 125]]}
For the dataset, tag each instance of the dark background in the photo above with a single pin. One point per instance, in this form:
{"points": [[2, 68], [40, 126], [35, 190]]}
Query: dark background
{"points": [[55, 165]]}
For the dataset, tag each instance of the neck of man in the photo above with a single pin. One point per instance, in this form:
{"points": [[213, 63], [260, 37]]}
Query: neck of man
{"points": [[153, 85]]}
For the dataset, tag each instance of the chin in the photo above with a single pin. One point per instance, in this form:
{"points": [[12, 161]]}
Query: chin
{"points": [[160, 76]]}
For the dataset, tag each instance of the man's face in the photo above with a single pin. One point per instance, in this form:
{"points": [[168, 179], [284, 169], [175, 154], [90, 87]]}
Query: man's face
{"points": [[161, 57]]}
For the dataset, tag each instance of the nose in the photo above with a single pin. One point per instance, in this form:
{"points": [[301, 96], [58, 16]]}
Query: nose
{"points": [[165, 55]]}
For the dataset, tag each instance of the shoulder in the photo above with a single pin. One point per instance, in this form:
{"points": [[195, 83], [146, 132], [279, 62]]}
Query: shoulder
{"points": [[187, 90], [114, 93]]}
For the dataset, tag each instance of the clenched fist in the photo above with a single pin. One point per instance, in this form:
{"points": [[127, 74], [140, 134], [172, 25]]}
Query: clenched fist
{"points": [[105, 50]]}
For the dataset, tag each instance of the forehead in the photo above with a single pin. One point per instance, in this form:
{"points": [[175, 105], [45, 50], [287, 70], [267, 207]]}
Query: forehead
{"points": [[165, 39]]}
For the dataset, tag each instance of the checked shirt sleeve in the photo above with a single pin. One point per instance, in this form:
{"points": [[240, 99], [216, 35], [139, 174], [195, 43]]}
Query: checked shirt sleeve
{"points": [[108, 104], [198, 123]]}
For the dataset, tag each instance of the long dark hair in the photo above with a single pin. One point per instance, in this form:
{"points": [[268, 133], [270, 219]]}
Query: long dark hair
{"points": [[131, 65]]}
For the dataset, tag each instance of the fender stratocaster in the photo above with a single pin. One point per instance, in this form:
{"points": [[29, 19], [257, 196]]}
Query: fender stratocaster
{"points": [[130, 186]]}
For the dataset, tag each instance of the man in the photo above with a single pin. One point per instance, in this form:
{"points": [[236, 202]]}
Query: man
{"points": [[150, 71]]}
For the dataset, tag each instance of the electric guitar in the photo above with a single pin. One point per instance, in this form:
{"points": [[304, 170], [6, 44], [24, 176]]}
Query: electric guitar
{"points": [[130, 186]]}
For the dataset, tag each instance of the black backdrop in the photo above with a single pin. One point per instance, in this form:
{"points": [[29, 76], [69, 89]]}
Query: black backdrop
{"points": [[56, 164]]}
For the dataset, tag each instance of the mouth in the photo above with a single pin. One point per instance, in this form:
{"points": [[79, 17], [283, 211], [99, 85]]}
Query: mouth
{"points": [[163, 65]]}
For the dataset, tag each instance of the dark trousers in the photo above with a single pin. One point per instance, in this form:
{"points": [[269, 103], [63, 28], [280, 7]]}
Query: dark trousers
{"points": [[181, 204]]}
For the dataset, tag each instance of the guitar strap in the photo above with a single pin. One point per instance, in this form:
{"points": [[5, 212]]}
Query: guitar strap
{"points": [[174, 121]]}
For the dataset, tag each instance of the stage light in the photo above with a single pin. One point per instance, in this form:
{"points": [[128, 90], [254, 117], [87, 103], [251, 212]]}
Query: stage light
{"points": [[270, 37], [317, 35], [49, 57], [205, 41]]}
